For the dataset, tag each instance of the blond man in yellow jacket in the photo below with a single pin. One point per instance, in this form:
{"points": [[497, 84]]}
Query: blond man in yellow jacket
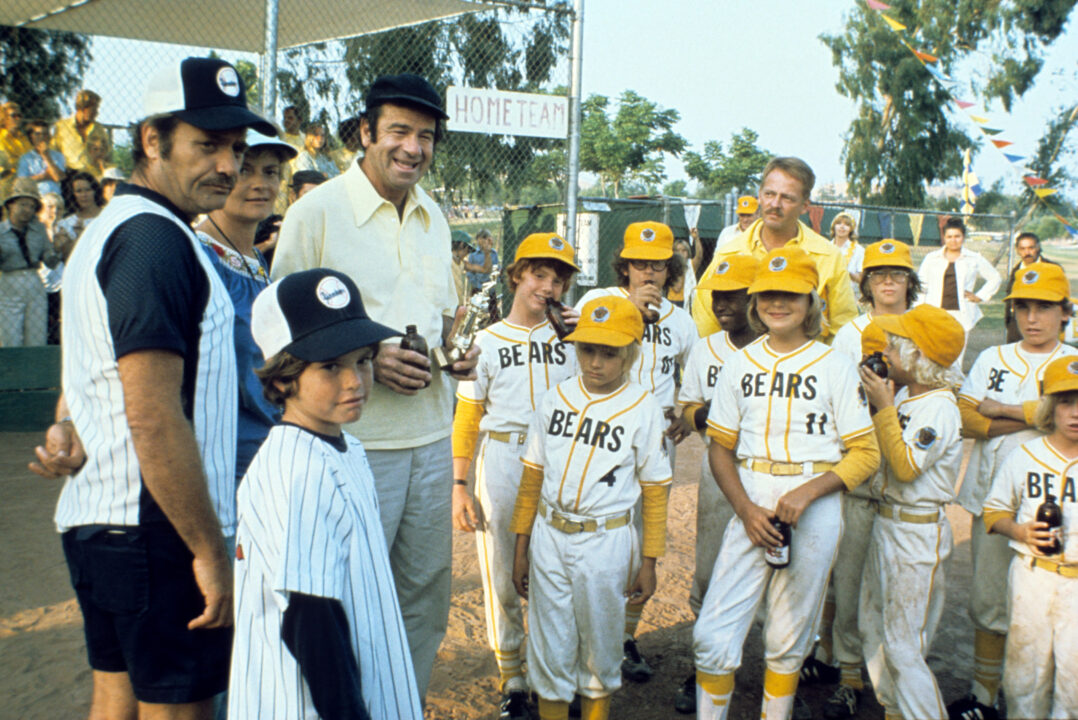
{"points": [[784, 196]]}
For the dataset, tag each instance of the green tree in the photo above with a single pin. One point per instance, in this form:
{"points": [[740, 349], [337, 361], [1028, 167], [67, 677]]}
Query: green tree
{"points": [[248, 72], [41, 68], [629, 145], [902, 138], [719, 171]]}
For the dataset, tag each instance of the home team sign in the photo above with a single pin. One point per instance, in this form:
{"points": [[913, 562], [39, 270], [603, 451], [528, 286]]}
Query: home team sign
{"points": [[507, 113]]}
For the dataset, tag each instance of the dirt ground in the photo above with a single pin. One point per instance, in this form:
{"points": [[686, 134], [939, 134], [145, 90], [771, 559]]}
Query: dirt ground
{"points": [[43, 671]]}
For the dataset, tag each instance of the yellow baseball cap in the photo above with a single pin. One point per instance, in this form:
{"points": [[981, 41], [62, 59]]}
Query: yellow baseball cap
{"points": [[788, 269], [648, 241], [735, 272], [546, 245], [1060, 376], [887, 253], [935, 332], [747, 205], [873, 339], [1041, 281], [610, 320]]}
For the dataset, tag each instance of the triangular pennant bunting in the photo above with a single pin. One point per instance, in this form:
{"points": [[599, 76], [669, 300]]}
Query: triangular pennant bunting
{"points": [[1034, 180], [876, 5], [964, 105], [895, 24], [980, 120], [1045, 192], [1014, 158], [925, 56], [991, 131], [1002, 143]]}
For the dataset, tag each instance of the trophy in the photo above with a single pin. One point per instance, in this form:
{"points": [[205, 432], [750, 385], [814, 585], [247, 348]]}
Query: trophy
{"points": [[481, 310]]}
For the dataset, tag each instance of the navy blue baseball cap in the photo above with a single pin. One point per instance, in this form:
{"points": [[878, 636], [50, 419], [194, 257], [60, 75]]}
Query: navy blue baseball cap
{"points": [[408, 90], [205, 92], [314, 315]]}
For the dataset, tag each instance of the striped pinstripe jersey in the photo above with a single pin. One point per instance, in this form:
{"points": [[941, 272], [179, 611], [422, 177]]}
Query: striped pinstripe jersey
{"points": [[516, 367], [799, 406], [309, 523], [108, 489], [667, 342], [596, 451]]}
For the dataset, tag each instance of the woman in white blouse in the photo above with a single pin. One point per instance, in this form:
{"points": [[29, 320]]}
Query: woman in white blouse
{"points": [[950, 274], [844, 237]]}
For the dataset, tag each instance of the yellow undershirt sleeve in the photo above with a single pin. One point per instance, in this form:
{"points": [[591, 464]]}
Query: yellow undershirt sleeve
{"points": [[654, 513], [527, 507], [1029, 409], [466, 428], [889, 436], [861, 460], [974, 425], [727, 439], [690, 410], [991, 517]]}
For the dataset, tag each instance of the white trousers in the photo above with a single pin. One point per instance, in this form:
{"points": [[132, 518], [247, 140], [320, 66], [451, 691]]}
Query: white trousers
{"points": [[901, 605], [992, 557], [24, 312], [857, 514], [713, 514], [1040, 673], [576, 609]]}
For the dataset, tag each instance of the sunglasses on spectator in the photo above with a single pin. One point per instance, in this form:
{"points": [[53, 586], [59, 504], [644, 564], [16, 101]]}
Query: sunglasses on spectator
{"points": [[656, 265]]}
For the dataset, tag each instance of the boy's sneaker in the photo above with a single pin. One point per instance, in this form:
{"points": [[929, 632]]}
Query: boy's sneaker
{"points": [[969, 708], [843, 704], [633, 665], [685, 700], [815, 672], [514, 706], [574, 707]]}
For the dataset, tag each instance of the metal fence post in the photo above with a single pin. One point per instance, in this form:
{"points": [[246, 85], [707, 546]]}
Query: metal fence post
{"points": [[574, 121], [269, 63]]}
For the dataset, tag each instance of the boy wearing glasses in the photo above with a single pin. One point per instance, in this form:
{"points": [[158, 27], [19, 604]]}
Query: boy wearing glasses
{"points": [[646, 269]]}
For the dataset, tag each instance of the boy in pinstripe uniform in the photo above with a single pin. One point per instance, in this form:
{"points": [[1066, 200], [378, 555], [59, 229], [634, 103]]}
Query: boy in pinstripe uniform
{"points": [[318, 626]]}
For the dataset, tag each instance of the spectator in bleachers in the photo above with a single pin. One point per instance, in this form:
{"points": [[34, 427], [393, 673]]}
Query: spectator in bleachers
{"points": [[313, 156], [109, 180], [84, 198], [73, 136], [23, 246], [303, 182], [348, 132], [52, 209], [291, 121], [41, 163], [13, 144]]}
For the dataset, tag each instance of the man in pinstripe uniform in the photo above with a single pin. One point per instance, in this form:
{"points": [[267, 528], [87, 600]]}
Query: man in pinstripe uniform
{"points": [[149, 375]]}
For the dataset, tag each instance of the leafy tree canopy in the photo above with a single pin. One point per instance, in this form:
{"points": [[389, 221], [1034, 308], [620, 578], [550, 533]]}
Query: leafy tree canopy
{"points": [[40, 69], [719, 170]]}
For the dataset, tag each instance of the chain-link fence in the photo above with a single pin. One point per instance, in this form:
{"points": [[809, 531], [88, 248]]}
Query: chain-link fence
{"points": [[330, 53]]}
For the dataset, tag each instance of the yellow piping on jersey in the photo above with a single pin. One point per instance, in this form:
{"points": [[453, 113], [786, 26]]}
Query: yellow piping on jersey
{"points": [[1040, 462], [572, 446], [591, 454], [790, 399], [770, 398]]}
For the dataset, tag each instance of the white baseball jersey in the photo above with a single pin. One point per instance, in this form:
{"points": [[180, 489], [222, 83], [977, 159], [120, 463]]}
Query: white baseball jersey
{"points": [[1007, 374], [932, 433], [1025, 476], [848, 338], [309, 523], [596, 450], [795, 407], [107, 489], [701, 372], [667, 342], [517, 365]]}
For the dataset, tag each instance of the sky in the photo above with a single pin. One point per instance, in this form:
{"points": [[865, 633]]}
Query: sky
{"points": [[723, 65]]}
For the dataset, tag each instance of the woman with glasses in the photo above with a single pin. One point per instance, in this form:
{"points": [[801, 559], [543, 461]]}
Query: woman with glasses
{"points": [[647, 268]]}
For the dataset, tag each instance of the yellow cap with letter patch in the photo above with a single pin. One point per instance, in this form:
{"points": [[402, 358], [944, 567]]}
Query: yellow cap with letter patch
{"points": [[735, 272], [648, 241], [887, 253], [546, 245], [786, 269], [610, 320], [1040, 281]]}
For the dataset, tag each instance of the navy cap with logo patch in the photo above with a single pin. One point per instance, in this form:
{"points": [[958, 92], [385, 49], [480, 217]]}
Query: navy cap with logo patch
{"points": [[314, 315], [205, 92], [408, 90]]}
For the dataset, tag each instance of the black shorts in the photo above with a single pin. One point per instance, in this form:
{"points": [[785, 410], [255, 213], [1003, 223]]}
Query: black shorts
{"points": [[137, 592]]}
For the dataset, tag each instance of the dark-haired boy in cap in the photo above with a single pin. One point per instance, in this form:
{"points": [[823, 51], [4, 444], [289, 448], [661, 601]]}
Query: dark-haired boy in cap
{"points": [[318, 627]]}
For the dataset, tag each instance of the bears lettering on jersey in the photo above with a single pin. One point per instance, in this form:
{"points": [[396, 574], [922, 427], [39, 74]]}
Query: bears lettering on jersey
{"points": [[544, 353], [1040, 484], [996, 376], [784, 385], [656, 334], [713, 374], [595, 433]]}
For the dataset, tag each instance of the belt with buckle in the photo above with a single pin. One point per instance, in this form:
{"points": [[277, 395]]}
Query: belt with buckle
{"points": [[783, 468], [893, 513], [567, 525], [1067, 571], [509, 437]]}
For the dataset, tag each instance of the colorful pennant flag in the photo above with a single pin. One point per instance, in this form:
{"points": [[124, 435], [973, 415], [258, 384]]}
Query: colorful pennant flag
{"points": [[1044, 192], [971, 186], [1002, 143], [1034, 180], [925, 56], [895, 24], [1014, 158], [978, 119], [964, 105], [877, 5], [991, 131], [937, 73]]}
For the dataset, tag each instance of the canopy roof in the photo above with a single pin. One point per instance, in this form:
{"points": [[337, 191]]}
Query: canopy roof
{"points": [[228, 24]]}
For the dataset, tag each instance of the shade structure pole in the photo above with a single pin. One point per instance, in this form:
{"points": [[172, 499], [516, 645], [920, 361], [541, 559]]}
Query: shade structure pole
{"points": [[574, 122], [269, 62]]}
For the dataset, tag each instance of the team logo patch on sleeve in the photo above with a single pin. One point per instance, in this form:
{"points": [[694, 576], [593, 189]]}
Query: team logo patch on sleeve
{"points": [[925, 437], [1030, 277], [861, 396], [777, 264], [722, 268]]}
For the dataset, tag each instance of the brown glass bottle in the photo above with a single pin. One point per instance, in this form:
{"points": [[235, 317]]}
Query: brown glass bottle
{"points": [[1049, 512], [557, 320], [779, 557], [413, 341]]}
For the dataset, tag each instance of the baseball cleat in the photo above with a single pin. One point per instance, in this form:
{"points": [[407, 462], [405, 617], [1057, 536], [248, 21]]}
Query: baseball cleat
{"points": [[633, 665], [842, 704], [685, 700], [815, 672], [970, 708], [514, 706]]}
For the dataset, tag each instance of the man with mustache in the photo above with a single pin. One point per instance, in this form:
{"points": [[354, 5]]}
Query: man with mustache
{"points": [[784, 195], [149, 375]]}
